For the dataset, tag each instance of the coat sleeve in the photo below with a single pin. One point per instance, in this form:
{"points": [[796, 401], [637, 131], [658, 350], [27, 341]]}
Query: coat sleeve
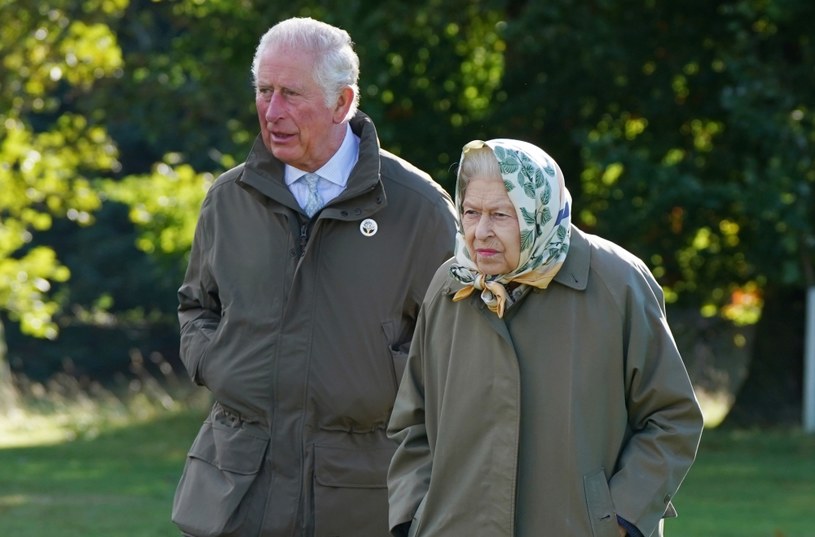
{"points": [[436, 239], [199, 307], [663, 415], [410, 468]]}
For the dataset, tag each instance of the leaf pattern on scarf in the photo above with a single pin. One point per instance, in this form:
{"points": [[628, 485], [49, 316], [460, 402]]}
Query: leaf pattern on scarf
{"points": [[527, 239]]}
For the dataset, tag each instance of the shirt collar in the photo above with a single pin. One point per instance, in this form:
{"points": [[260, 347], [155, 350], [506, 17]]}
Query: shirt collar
{"points": [[339, 166]]}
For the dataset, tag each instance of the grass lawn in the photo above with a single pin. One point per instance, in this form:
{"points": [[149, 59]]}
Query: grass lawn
{"points": [[749, 484], [118, 484], [121, 483]]}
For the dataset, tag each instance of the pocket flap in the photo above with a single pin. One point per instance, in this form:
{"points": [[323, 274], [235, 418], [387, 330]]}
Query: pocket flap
{"points": [[351, 468], [230, 449]]}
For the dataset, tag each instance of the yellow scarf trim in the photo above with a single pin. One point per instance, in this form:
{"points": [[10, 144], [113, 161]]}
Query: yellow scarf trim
{"points": [[494, 294]]}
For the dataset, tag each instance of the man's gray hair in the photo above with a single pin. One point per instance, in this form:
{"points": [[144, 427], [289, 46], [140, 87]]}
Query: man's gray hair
{"points": [[336, 63]]}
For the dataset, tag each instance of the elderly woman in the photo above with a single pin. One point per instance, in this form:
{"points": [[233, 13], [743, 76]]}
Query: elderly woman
{"points": [[544, 394]]}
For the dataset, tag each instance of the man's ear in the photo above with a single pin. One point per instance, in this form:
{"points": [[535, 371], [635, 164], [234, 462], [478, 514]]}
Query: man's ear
{"points": [[344, 101]]}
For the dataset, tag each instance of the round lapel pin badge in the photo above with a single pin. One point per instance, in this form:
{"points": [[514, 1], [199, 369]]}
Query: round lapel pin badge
{"points": [[368, 227]]}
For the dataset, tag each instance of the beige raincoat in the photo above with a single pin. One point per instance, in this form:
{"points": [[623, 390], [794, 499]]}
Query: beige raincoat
{"points": [[572, 409]]}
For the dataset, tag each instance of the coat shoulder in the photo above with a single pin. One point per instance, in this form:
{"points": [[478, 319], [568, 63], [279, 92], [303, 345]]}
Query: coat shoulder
{"points": [[617, 267], [441, 284], [398, 173], [228, 177], [613, 258]]}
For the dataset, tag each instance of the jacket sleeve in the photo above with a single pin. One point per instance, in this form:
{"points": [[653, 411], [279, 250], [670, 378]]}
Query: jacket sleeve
{"points": [[410, 468], [663, 415], [436, 242], [199, 307]]}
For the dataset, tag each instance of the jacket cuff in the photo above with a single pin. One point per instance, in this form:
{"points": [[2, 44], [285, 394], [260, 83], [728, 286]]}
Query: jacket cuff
{"points": [[401, 530], [630, 528]]}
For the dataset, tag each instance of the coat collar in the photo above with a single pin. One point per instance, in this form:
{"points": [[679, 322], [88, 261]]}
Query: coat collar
{"points": [[364, 194]]}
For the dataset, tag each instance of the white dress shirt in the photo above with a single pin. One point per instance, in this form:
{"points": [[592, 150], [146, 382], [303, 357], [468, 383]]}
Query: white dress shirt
{"points": [[334, 173]]}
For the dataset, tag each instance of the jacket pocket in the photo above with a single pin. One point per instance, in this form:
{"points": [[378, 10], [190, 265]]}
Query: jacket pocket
{"points": [[350, 491], [222, 465], [602, 515], [398, 350], [196, 339]]}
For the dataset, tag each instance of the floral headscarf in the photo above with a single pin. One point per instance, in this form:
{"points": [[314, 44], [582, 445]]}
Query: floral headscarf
{"points": [[536, 188]]}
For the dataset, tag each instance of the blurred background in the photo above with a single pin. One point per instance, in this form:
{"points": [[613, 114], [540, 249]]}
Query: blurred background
{"points": [[685, 130]]}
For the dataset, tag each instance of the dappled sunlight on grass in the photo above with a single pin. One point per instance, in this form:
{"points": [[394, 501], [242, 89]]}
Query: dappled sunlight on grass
{"points": [[749, 483], [117, 482], [65, 409]]}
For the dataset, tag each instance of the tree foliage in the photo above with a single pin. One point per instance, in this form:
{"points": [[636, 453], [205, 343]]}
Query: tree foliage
{"points": [[686, 128], [685, 131], [48, 153]]}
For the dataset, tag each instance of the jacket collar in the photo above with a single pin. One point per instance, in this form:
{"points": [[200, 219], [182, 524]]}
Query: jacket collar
{"points": [[363, 196]]}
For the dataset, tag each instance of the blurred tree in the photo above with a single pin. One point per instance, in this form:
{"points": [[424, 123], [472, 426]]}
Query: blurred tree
{"points": [[685, 131], [47, 153]]}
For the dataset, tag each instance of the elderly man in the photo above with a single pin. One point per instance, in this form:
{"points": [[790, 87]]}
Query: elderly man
{"points": [[309, 263]]}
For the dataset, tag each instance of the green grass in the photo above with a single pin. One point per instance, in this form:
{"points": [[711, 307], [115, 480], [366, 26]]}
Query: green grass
{"points": [[749, 484], [120, 482]]}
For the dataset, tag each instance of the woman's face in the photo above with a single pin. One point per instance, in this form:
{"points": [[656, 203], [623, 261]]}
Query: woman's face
{"points": [[491, 229]]}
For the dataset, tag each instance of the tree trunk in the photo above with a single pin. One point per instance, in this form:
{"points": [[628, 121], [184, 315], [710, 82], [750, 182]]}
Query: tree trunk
{"points": [[772, 392], [8, 394]]}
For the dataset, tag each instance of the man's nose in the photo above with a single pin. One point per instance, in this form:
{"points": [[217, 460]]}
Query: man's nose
{"points": [[275, 108]]}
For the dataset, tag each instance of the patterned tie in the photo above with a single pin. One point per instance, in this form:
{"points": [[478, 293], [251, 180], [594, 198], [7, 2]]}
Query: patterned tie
{"points": [[314, 202]]}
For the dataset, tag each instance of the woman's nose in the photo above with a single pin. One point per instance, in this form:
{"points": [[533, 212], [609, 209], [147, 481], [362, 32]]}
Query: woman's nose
{"points": [[484, 227]]}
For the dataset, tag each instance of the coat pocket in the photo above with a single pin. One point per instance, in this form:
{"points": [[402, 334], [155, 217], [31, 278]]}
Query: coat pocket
{"points": [[350, 492], [602, 515], [222, 464], [398, 350], [196, 339]]}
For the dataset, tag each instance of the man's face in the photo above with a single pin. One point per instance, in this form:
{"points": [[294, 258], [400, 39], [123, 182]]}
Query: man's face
{"points": [[295, 123]]}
